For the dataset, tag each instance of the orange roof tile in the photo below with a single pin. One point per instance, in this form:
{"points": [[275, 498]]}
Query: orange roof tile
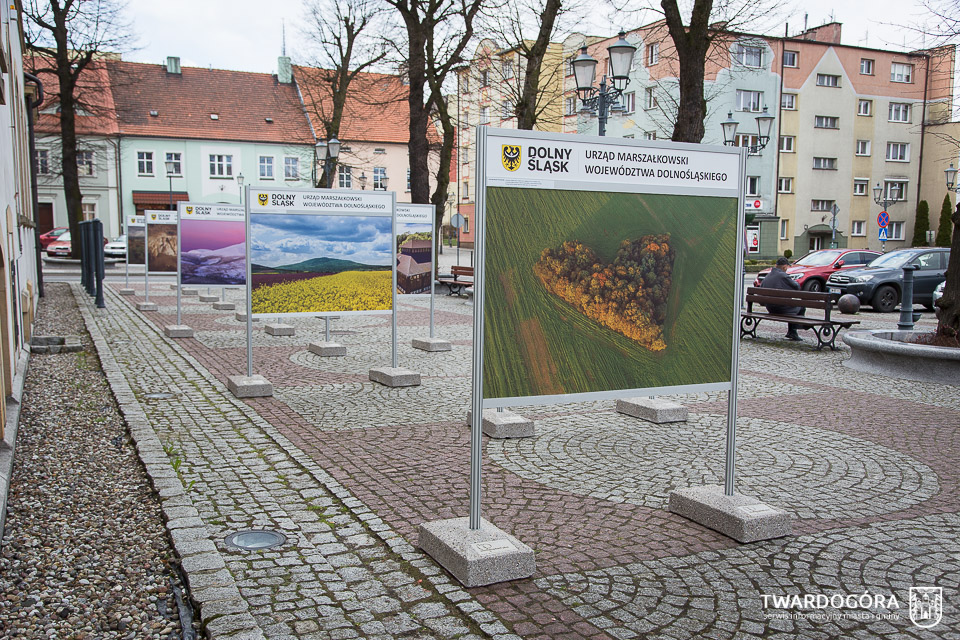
{"points": [[95, 116]]}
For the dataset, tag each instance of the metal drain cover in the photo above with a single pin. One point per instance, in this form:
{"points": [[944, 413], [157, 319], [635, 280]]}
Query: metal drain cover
{"points": [[159, 395], [255, 539]]}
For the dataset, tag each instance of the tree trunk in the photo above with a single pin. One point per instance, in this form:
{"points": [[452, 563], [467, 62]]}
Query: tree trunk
{"points": [[692, 44], [949, 304], [418, 147], [526, 108], [68, 156]]}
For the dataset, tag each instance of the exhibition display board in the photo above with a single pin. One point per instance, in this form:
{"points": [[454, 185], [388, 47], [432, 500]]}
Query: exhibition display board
{"points": [[212, 245], [161, 241]]}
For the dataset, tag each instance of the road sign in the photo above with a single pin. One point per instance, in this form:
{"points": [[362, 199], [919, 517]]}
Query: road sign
{"points": [[457, 221], [883, 234], [883, 219]]}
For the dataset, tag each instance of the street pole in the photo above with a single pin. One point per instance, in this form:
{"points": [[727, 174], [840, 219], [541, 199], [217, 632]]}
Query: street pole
{"points": [[833, 235], [602, 107]]}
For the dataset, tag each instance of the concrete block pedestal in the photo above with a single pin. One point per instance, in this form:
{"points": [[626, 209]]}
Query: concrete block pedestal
{"points": [[395, 377], [127, 292], [432, 344], [255, 386], [206, 298], [173, 287], [178, 331], [189, 292], [740, 517], [504, 424], [653, 410], [224, 306], [476, 557], [242, 317], [147, 306], [327, 349], [279, 329]]}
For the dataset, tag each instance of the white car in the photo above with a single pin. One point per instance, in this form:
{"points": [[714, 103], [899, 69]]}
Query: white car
{"points": [[117, 248], [937, 294]]}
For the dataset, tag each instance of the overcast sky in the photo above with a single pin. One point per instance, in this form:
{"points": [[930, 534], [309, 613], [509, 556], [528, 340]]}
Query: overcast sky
{"points": [[246, 35]]}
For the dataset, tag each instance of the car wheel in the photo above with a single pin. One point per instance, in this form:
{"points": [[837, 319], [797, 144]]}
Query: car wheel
{"points": [[885, 299], [813, 285]]}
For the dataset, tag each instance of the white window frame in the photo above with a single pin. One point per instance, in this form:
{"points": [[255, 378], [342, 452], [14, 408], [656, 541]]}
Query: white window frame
{"points": [[653, 53], [860, 186], [345, 176], [788, 144], [887, 184], [788, 101], [830, 163], [901, 72], [753, 187], [145, 163], [898, 152], [784, 228], [506, 109], [896, 229], [466, 190], [866, 66], [570, 106], [822, 205], [796, 59], [899, 112], [484, 115], [748, 55], [784, 185], [379, 173], [858, 228], [863, 148], [747, 140], [87, 163], [826, 122], [650, 99], [648, 135], [630, 102], [828, 80], [865, 108], [92, 209], [266, 162], [220, 165], [748, 100], [291, 168], [43, 162], [176, 158], [507, 69]]}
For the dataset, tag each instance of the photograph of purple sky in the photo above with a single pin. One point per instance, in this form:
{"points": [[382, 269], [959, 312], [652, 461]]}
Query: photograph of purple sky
{"points": [[210, 234]]}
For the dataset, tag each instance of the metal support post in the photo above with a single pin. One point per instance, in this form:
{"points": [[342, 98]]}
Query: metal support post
{"points": [[906, 303]]}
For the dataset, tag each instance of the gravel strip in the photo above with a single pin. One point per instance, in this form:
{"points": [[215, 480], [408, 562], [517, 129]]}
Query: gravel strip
{"points": [[84, 552]]}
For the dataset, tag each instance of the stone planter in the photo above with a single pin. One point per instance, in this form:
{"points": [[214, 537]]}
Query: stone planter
{"points": [[888, 353]]}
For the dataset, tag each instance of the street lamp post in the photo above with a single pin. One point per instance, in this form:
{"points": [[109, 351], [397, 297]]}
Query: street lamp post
{"points": [[363, 181], [604, 99], [884, 198], [327, 153], [240, 185], [764, 125], [171, 167]]}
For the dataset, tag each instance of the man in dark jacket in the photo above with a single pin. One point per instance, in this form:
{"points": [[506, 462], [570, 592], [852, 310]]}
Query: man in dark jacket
{"points": [[778, 279]]}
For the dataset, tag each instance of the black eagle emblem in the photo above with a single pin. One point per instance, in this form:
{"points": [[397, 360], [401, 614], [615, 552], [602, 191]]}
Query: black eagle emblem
{"points": [[511, 157], [262, 197]]}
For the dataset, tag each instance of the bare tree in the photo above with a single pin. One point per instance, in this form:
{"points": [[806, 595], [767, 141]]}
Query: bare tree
{"points": [[67, 38]]}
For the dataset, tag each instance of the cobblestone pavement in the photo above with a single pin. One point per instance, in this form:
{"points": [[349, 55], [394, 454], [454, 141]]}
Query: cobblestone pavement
{"points": [[347, 469]]}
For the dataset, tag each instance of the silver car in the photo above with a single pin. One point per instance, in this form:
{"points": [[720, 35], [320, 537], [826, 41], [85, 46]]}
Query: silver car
{"points": [[117, 248]]}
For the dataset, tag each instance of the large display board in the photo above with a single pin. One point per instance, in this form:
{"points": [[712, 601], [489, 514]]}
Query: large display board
{"points": [[414, 248], [609, 267], [136, 246], [315, 252], [161, 241], [212, 244]]}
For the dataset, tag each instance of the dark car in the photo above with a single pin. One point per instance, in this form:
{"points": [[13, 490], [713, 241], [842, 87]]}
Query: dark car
{"points": [[50, 236], [812, 270], [880, 283]]}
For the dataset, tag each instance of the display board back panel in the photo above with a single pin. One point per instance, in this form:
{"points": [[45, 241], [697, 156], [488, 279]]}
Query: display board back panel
{"points": [[212, 244], [414, 248], [161, 249]]}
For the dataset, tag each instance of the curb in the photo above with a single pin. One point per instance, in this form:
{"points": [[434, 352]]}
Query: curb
{"points": [[8, 446]]}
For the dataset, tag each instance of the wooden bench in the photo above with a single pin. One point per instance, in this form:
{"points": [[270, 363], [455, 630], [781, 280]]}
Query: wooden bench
{"points": [[454, 283], [826, 329]]}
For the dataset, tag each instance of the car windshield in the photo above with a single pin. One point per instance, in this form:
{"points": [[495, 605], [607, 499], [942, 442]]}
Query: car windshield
{"points": [[818, 258], [121, 239], [64, 237], [892, 260]]}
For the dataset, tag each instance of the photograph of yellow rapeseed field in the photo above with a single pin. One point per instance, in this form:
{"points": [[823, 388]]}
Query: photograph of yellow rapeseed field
{"points": [[310, 263], [591, 292]]}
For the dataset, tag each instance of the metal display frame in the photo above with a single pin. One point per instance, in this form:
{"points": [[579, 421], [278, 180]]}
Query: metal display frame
{"points": [[127, 222], [433, 252], [478, 403]]}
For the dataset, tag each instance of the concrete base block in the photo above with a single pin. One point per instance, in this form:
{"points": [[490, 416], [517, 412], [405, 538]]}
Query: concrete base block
{"points": [[327, 349], [653, 410], [432, 344], [206, 298], [178, 331], [279, 329], [242, 317], [147, 306], [189, 292], [173, 287], [127, 292], [740, 517], [504, 424], [224, 306], [254, 386], [479, 557], [395, 377]]}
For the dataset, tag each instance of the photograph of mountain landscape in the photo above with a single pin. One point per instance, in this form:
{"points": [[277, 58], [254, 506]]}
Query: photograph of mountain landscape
{"points": [[212, 252], [162, 248], [592, 292], [305, 264], [135, 246]]}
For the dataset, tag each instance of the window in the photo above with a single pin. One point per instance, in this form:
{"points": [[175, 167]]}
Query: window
{"points": [[507, 70], [653, 54], [896, 230], [866, 67], [753, 186], [785, 185], [784, 228], [895, 190], [749, 56], [899, 112], [379, 178], [408, 180], [466, 190], [465, 83], [145, 163], [788, 101], [749, 100], [570, 106], [858, 228], [827, 80], [175, 158], [860, 187], [650, 100], [865, 107], [569, 66], [630, 102], [377, 150], [266, 167], [747, 140], [901, 72], [825, 163], [790, 59], [291, 168], [484, 78], [863, 147], [826, 122], [649, 135], [630, 136], [221, 165], [484, 115], [928, 261], [821, 205], [898, 152], [786, 144], [466, 224], [89, 210], [344, 176], [85, 163], [43, 161], [506, 109]]}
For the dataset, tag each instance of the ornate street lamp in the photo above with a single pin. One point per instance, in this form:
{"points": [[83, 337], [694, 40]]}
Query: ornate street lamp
{"points": [[327, 153], [240, 186], [604, 99], [171, 167], [363, 181], [764, 126]]}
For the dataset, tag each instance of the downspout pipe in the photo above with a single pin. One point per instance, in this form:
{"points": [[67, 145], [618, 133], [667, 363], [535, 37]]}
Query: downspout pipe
{"points": [[34, 193]]}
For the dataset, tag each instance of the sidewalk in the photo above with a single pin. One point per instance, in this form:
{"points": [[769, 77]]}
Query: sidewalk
{"points": [[347, 469]]}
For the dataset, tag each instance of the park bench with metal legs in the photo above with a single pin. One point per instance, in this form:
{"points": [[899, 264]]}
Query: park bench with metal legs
{"points": [[825, 329], [459, 279]]}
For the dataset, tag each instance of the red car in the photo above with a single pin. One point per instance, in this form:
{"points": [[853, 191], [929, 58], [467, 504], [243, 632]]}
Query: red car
{"points": [[50, 236], [61, 247], [812, 270]]}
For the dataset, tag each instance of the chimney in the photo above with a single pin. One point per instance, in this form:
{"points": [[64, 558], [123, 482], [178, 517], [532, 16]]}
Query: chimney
{"points": [[284, 70], [173, 64]]}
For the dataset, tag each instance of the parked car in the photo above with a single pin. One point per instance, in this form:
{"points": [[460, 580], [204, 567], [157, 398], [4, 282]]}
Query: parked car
{"points": [[812, 270], [937, 294], [60, 248], [880, 283], [51, 236], [117, 248]]}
